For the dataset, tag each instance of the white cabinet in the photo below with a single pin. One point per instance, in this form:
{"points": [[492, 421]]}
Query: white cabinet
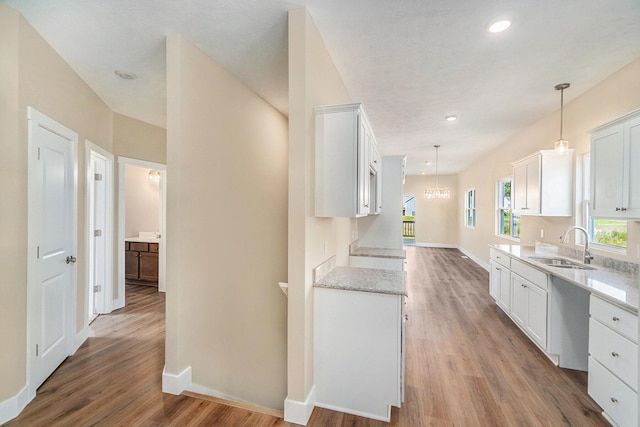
{"points": [[613, 361], [358, 351], [529, 301], [615, 177], [346, 184], [543, 184], [499, 284]]}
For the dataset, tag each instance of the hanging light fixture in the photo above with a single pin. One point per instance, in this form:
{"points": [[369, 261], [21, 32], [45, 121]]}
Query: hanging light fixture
{"points": [[562, 145], [437, 192]]}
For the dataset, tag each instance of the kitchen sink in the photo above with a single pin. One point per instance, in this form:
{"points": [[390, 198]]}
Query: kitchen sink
{"points": [[561, 263]]}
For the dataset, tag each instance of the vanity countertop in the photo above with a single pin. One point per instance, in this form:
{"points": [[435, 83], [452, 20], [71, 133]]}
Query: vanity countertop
{"points": [[616, 286]]}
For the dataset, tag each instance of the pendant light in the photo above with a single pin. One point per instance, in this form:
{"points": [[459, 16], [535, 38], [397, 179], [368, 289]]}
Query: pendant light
{"points": [[437, 192], [561, 145]]}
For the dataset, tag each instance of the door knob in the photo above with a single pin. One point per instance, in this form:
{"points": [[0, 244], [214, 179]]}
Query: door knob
{"points": [[70, 259]]}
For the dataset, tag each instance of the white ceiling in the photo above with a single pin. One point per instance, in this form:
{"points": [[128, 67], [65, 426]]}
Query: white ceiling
{"points": [[411, 62]]}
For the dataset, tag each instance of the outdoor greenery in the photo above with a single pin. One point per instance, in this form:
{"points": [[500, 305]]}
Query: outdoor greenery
{"points": [[610, 232]]}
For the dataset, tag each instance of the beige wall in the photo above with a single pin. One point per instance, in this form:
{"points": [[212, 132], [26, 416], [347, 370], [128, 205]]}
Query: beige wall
{"points": [[139, 140], [436, 220], [142, 201], [227, 244], [313, 80], [32, 74], [613, 97]]}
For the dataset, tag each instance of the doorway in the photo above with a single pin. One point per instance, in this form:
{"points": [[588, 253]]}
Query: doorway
{"points": [[100, 230], [155, 175], [408, 220]]}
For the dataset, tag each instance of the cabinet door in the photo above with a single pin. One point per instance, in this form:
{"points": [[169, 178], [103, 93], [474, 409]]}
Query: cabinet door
{"points": [[519, 190], [364, 140], [505, 290], [518, 300], [533, 186], [631, 180], [131, 267], [149, 266], [536, 324], [494, 280], [606, 171]]}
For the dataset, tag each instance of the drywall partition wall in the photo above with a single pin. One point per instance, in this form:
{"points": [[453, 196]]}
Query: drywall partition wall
{"points": [[613, 97], [48, 84], [142, 201], [226, 232], [436, 220], [32, 74], [313, 80], [139, 140], [13, 218]]}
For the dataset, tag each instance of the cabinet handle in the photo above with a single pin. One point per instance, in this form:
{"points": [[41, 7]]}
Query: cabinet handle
{"points": [[614, 354], [615, 319], [623, 209], [499, 269], [617, 209], [614, 400]]}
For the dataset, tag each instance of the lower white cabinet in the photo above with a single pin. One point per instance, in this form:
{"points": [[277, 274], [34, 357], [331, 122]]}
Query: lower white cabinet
{"points": [[359, 351], [529, 308], [521, 291], [613, 361]]}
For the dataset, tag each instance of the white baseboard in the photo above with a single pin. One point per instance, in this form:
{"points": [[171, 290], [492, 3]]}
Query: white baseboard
{"points": [[437, 245], [299, 412], [475, 259], [385, 418], [11, 408], [176, 384], [80, 338], [117, 304]]}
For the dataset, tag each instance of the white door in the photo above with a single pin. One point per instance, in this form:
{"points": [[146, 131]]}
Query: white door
{"points": [[52, 244], [100, 195]]}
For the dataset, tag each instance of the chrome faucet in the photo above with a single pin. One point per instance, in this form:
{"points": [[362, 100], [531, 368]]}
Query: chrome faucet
{"points": [[587, 255]]}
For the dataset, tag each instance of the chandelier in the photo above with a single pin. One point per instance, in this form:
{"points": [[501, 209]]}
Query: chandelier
{"points": [[437, 192]]}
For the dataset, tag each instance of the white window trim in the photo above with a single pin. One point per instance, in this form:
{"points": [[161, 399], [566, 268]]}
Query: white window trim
{"points": [[467, 208], [499, 209]]}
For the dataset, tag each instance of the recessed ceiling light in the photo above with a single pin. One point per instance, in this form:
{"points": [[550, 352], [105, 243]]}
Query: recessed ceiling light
{"points": [[428, 162], [499, 26], [126, 75], [451, 118], [421, 173]]}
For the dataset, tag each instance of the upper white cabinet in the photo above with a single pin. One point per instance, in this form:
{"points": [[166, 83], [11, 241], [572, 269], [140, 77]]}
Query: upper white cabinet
{"points": [[615, 182], [543, 184], [348, 167]]}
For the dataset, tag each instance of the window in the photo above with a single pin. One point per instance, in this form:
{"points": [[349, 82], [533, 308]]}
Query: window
{"points": [[508, 222], [609, 233], [470, 208]]}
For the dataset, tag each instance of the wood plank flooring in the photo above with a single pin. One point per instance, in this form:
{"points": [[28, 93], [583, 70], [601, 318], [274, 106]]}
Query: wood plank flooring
{"points": [[467, 365]]}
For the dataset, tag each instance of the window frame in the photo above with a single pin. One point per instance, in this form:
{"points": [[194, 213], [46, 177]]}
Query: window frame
{"points": [[470, 212], [587, 220], [501, 209]]}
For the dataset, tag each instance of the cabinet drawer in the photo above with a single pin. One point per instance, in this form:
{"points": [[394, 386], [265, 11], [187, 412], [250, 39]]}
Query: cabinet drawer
{"points": [[618, 401], [533, 275], [153, 247], [500, 258], [139, 246], [616, 318], [614, 352]]}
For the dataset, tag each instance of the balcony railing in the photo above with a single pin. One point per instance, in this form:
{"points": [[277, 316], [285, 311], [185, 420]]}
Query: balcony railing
{"points": [[408, 230]]}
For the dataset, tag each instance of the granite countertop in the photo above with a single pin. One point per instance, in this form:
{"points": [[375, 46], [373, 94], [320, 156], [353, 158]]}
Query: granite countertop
{"points": [[142, 239], [379, 252], [616, 286], [365, 280]]}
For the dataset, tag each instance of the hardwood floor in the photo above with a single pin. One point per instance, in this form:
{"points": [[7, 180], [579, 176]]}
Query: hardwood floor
{"points": [[467, 365]]}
